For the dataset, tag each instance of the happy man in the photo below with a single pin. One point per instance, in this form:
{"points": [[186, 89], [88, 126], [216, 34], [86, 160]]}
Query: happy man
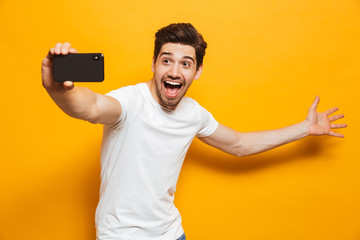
{"points": [[148, 129]]}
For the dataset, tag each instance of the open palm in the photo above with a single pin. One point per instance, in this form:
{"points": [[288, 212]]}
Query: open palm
{"points": [[320, 123]]}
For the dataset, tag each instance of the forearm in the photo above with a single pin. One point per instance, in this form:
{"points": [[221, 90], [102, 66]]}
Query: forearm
{"points": [[78, 102], [257, 142]]}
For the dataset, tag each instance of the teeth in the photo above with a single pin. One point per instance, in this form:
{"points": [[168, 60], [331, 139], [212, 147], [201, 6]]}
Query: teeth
{"points": [[173, 83]]}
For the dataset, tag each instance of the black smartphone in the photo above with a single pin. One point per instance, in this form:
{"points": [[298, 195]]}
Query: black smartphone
{"points": [[79, 67]]}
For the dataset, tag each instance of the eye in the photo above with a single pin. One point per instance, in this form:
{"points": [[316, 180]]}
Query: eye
{"points": [[166, 61], [186, 64]]}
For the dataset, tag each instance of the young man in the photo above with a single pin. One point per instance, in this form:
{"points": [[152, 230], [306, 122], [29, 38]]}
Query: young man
{"points": [[148, 129]]}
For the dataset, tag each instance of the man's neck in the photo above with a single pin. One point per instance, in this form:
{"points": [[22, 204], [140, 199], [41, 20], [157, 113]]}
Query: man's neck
{"points": [[152, 87]]}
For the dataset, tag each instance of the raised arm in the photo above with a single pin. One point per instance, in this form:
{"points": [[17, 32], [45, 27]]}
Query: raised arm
{"points": [[77, 102], [243, 144]]}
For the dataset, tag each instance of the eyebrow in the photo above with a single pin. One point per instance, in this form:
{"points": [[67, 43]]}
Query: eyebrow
{"points": [[169, 53]]}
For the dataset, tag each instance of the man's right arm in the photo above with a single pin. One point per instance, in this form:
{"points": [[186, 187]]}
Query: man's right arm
{"points": [[77, 102]]}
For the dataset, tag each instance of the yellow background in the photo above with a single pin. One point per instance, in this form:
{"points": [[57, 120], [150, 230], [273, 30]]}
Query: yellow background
{"points": [[266, 61]]}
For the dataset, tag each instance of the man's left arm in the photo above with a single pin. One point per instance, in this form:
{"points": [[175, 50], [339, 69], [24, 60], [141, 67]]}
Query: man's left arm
{"points": [[243, 144]]}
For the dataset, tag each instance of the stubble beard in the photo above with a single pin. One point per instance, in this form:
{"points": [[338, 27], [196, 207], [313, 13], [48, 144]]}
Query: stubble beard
{"points": [[167, 103]]}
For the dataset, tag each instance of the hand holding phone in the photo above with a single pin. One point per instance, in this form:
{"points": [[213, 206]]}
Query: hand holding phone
{"points": [[47, 68]]}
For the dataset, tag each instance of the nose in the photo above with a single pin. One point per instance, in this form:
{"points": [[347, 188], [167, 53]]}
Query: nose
{"points": [[174, 72]]}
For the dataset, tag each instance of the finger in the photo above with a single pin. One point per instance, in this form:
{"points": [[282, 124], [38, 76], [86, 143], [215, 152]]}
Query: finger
{"points": [[338, 125], [65, 48], [336, 117], [58, 48], [315, 103], [68, 85], [334, 134], [51, 53], [331, 111], [73, 50]]}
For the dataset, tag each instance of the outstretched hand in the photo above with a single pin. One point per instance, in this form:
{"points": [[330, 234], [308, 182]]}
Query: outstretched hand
{"points": [[320, 123]]}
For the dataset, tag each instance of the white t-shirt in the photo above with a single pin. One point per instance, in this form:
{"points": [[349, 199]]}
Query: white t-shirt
{"points": [[141, 158]]}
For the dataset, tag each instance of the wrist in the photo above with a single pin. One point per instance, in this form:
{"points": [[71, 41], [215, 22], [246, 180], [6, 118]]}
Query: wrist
{"points": [[305, 128]]}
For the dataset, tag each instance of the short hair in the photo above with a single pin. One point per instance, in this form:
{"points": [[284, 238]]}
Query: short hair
{"points": [[183, 33]]}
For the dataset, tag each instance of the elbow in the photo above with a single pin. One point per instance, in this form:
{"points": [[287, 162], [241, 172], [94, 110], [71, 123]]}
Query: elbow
{"points": [[240, 154], [240, 148], [83, 117], [93, 115], [93, 121], [92, 118], [87, 116], [240, 151]]}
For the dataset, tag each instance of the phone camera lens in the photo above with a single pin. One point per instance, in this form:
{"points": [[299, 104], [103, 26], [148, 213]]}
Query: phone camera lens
{"points": [[96, 57]]}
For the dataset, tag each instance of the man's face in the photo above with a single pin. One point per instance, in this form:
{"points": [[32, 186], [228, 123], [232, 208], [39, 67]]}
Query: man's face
{"points": [[174, 71]]}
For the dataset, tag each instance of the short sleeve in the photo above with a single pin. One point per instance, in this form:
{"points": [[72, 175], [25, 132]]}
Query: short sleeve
{"points": [[209, 124], [125, 96]]}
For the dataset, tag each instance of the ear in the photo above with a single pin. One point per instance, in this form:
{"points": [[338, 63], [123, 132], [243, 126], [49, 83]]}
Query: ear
{"points": [[198, 72], [152, 64]]}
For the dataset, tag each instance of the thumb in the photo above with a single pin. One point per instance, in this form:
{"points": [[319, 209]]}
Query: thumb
{"points": [[315, 104], [68, 85]]}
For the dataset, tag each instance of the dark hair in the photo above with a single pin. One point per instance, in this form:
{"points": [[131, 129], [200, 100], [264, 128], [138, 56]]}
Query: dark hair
{"points": [[183, 33]]}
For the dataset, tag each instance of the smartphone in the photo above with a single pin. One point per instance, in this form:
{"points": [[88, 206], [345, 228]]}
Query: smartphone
{"points": [[79, 67]]}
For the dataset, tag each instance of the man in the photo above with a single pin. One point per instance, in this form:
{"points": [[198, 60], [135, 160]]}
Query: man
{"points": [[148, 129]]}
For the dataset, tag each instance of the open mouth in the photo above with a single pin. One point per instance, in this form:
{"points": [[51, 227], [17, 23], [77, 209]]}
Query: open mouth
{"points": [[172, 88]]}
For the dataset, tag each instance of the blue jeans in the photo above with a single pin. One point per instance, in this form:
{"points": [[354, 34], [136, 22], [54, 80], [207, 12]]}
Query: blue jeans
{"points": [[182, 237]]}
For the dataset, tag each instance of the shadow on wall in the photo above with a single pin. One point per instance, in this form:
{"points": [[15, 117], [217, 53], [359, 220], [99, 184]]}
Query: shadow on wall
{"points": [[219, 161]]}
